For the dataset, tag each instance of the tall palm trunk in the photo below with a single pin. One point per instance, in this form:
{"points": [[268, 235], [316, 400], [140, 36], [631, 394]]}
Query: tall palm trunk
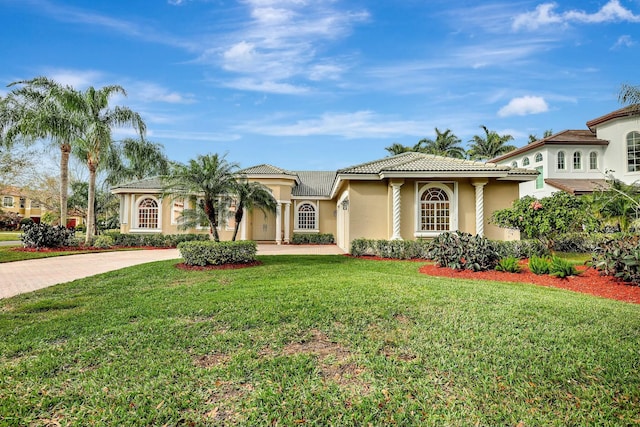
{"points": [[91, 200], [238, 217], [65, 150]]}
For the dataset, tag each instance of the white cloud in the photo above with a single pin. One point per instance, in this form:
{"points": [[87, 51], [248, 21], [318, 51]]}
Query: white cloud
{"points": [[523, 106], [279, 47], [257, 85], [151, 92], [545, 15], [78, 79], [360, 124], [624, 41]]}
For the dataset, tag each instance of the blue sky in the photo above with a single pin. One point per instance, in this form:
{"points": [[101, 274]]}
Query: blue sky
{"points": [[324, 84]]}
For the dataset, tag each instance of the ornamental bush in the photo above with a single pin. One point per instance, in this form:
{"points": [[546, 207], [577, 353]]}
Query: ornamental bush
{"points": [[312, 238], [508, 265], [619, 258], [561, 268], [218, 253], [42, 235], [463, 251], [539, 265], [103, 242]]}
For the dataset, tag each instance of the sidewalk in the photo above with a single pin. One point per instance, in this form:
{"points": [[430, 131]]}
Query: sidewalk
{"points": [[27, 276]]}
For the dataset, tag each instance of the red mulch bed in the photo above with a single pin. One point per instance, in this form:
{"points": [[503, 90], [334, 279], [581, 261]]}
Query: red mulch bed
{"points": [[589, 281], [183, 266]]}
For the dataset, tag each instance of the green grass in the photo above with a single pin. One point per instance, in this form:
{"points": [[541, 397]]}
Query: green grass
{"points": [[8, 236], [315, 340]]}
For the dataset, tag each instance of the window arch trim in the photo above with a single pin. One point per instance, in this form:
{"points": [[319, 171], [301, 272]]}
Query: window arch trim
{"points": [[451, 191], [633, 151], [143, 219], [307, 220], [561, 164]]}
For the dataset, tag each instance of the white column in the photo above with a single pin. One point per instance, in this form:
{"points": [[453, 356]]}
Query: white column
{"points": [[479, 207], [287, 221], [279, 223], [243, 226], [396, 211]]}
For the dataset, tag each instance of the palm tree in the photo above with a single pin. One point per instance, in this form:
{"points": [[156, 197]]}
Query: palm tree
{"points": [[135, 159], [36, 110], [251, 195], [445, 144], [94, 142], [396, 148], [534, 138], [630, 95], [490, 146], [210, 177]]}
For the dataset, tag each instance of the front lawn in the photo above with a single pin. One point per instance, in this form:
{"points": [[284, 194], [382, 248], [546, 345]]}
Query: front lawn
{"points": [[9, 236], [315, 340]]}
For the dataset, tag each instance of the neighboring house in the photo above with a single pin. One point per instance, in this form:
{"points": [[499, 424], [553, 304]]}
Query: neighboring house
{"points": [[14, 201], [577, 161], [408, 196]]}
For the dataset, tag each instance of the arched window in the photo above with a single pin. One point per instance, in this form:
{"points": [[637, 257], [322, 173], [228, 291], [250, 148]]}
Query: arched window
{"points": [[593, 160], [514, 164], [525, 161], [306, 217], [561, 161], [538, 157], [435, 210], [577, 160], [633, 151], [148, 213]]}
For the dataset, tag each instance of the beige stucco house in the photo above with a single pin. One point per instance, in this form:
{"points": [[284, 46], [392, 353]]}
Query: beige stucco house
{"points": [[408, 196]]}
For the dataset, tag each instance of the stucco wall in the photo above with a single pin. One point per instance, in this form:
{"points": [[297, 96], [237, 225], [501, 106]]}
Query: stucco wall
{"points": [[368, 211], [499, 195]]}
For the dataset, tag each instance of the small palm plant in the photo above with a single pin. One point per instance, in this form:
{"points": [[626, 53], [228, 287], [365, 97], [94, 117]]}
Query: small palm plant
{"points": [[508, 265]]}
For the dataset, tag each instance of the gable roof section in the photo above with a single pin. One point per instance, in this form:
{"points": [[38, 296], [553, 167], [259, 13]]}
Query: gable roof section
{"points": [[566, 137], [314, 183], [153, 183], [265, 169], [629, 111], [415, 164]]}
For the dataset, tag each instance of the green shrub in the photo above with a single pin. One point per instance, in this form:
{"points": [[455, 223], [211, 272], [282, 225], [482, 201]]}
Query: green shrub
{"points": [[312, 238], [521, 249], [508, 265], [619, 258], [153, 240], [561, 268], [394, 249], [103, 242], [579, 242], [459, 250], [25, 221], [46, 236], [218, 253], [81, 228], [539, 265]]}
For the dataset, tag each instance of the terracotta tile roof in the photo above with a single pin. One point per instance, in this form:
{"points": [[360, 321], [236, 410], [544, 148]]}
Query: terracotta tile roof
{"points": [[566, 137], [629, 111], [420, 162], [578, 186]]}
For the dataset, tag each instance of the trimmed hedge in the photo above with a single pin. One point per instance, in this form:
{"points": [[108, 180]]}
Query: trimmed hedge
{"points": [[153, 240], [312, 238], [218, 253], [396, 249]]}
